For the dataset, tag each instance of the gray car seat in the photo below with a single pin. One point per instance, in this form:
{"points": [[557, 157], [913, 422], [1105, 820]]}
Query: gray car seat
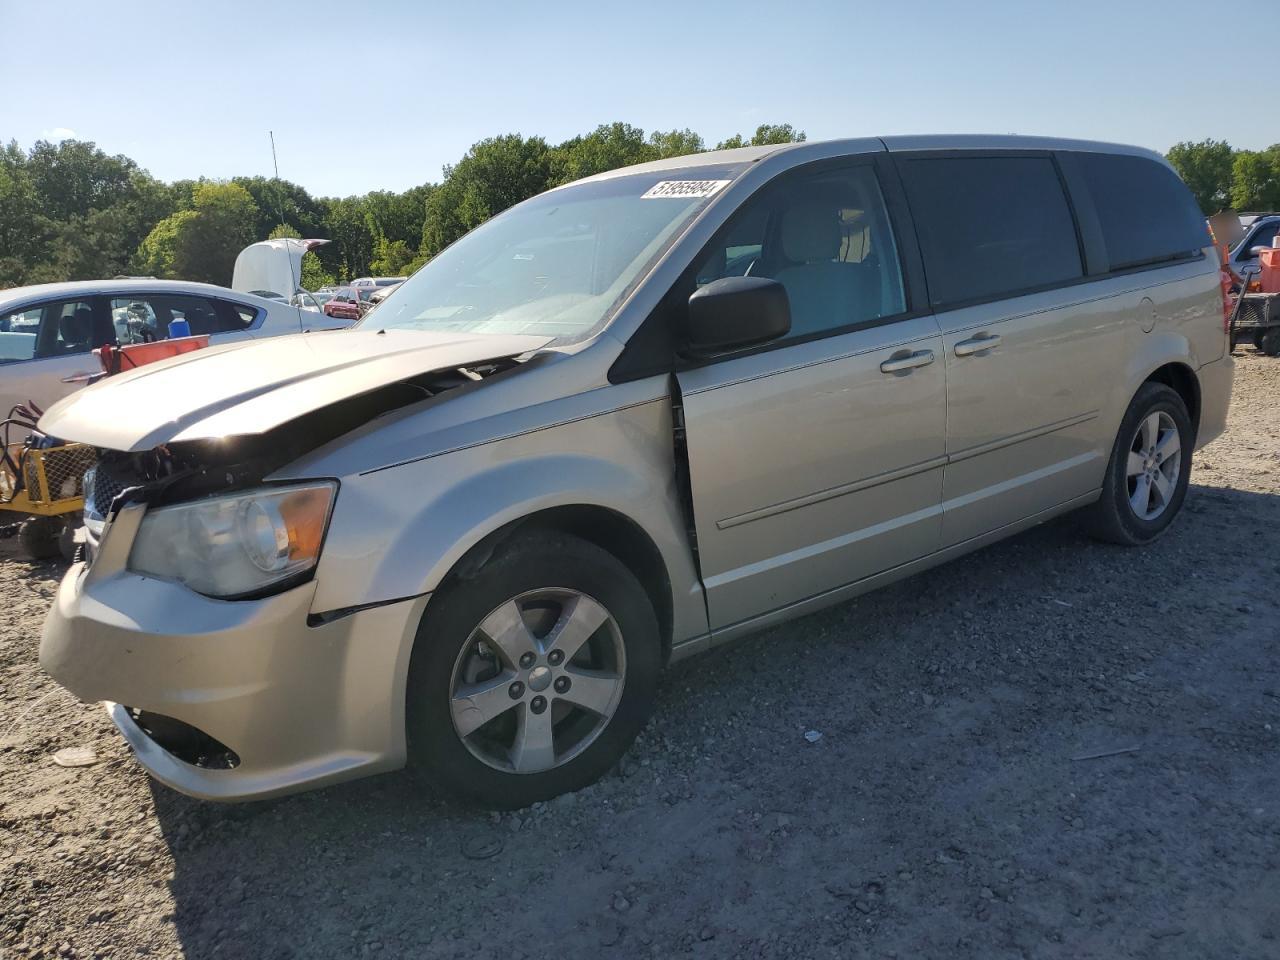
{"points": [[824, 292], [75, 331]]}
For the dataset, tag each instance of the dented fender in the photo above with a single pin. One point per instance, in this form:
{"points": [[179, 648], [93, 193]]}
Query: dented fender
{"points": [[397, 531]]}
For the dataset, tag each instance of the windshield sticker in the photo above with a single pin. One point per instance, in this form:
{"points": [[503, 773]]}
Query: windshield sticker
{"points": [[684, 189]]}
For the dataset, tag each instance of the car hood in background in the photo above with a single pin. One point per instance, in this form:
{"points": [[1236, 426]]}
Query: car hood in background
{"points": [[272, 266], [250, 388]]}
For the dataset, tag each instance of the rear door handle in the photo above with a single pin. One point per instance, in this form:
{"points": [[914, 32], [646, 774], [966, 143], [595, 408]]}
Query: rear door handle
{"points": [[977, 344], [921, 358]]}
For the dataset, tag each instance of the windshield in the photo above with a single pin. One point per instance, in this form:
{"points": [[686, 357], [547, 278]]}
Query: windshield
{"points": [[558, 264]]}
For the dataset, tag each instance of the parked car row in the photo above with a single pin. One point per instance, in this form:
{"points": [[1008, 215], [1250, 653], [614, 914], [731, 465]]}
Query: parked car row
{"points": [[48, 332], [620, 423]]}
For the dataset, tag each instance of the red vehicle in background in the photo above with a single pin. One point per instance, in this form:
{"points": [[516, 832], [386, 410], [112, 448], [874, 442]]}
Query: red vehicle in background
{"points": [[348, 304]]}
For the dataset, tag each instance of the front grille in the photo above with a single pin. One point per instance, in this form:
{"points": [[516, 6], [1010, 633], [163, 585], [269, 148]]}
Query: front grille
{"points": [[106, 481]]}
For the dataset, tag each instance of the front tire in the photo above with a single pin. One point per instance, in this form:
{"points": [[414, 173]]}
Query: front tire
{"points": [[531, 677], [1146, 479], [40, 537]]}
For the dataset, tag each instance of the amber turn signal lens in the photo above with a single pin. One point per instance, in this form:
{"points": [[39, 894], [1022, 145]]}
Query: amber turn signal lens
{"points": [[304, 513]]}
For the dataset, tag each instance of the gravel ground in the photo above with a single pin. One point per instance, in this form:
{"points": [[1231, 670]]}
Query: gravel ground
{"points": [[948, 809]]}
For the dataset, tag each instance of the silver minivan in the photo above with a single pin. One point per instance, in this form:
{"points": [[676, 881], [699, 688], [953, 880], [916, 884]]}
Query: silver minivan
{"points": [[627, 420]]}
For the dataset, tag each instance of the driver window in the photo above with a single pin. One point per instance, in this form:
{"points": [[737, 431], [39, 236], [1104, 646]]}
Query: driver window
{"points": [[67, 327], [826, 238]]}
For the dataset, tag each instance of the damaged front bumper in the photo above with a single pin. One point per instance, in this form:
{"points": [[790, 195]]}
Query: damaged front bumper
{"points": [[273, 704]]}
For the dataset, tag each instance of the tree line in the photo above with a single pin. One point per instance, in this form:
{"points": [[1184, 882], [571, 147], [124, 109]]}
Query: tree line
{"points": [[1223, 178], [69, 211]]}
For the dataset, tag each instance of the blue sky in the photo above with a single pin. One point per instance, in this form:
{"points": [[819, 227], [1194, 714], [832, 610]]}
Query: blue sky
{"points": [[371, 95]]}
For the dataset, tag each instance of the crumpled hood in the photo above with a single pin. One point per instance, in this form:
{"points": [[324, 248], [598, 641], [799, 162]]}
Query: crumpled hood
{"points": [[250, 388]]}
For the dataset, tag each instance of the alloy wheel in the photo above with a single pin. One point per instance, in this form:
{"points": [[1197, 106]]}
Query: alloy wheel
{"points": [[1154, 465], [538, 680]]}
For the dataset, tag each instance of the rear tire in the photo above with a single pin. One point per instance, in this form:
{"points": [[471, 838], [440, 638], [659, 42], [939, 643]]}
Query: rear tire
{"points": [[1146, 479], [533, 676]]}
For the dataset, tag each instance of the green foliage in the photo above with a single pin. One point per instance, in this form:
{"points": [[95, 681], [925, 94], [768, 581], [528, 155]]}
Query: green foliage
{"points": [[202, 243], [348, 254], [766, 133], [1205, 167], [1255, 179], [74, 176], [607, 147], [69, 211], [24, 231], [675, 143], [391, 257], [279, 201], [158, 253], [495, 174]]}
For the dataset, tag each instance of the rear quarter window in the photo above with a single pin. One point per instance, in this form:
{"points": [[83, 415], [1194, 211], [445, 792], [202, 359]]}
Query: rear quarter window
{"points": [[991, 226], [1147, 215]]}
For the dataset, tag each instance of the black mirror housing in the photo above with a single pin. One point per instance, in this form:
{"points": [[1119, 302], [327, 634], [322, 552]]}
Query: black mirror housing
{"points": [[736, 312]]}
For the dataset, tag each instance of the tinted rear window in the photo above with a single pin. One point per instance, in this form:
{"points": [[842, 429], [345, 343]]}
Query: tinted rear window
{"points": [[991, 227], [1146, 213]]}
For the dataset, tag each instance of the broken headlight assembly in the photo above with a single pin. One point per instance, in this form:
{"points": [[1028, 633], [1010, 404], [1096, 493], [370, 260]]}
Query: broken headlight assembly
{"points": [[236, 545]]}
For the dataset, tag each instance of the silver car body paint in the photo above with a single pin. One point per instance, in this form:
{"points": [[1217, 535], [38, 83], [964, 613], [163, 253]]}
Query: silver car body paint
{"points": [[786, 520]]}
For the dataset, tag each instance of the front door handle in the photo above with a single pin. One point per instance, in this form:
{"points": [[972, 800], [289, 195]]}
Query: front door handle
{"points": [[921, 358], [986, 341]]}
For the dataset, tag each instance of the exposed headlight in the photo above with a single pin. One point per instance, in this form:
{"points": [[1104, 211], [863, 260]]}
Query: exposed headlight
{"points": [[237, 544]]}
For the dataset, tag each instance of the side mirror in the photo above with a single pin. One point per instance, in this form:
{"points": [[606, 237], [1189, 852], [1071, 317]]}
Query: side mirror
{"points": [[1257, 251], [736, 312]]}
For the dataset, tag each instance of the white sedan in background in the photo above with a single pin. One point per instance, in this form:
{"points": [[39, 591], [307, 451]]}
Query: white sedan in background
{"points": [[48, 332]]}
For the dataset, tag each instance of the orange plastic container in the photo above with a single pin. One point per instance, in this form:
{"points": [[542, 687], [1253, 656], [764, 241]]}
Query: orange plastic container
{"points": [[1269, 279], [119, 359]]}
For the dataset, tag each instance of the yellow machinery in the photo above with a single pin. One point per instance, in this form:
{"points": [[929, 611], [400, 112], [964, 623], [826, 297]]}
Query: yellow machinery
{"points": [[45, 484]]}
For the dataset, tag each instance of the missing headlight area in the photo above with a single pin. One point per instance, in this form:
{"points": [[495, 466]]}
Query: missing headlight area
{"points": [[187, 743], [182, 471]]}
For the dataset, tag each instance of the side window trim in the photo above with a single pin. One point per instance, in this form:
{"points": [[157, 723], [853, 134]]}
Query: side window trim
{"points": [[1081, 202], [909, 265]]}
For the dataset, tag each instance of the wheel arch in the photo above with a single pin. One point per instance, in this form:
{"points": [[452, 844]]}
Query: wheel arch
{"points": [[1180, 378], [606, 528]]}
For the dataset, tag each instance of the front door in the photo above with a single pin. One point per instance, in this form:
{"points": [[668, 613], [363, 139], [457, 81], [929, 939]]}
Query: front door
{"points": [[818, 461]]}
